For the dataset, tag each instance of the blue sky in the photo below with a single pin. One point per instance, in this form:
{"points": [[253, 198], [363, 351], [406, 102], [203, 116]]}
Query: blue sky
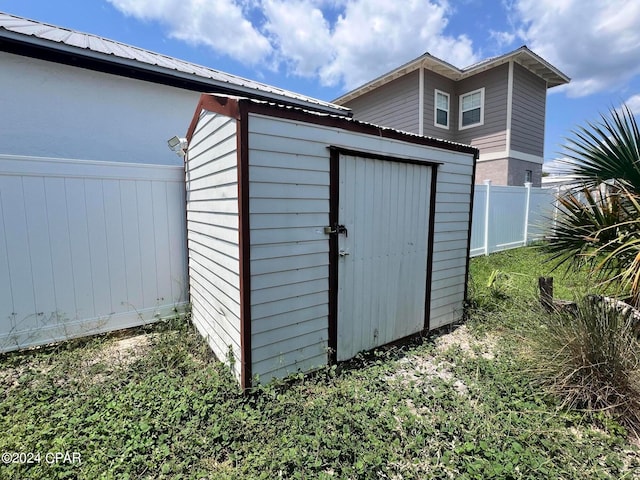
{"points": [[324, 48]]}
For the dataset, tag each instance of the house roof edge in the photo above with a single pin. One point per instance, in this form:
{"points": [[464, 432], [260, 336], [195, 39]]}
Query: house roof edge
{"points": [[522, 55], [19, 35]]}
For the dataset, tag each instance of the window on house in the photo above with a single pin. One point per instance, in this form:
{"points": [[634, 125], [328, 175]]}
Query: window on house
{"points": [[472, 109], [441, 114], [528, 176]]}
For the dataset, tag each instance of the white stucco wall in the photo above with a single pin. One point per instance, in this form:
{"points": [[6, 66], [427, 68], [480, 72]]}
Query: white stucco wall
{"points": [[53, 110]]}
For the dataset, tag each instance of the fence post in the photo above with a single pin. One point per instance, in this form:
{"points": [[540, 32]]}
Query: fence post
{"points": [[487, 212], [555, 207], [527, 186]]}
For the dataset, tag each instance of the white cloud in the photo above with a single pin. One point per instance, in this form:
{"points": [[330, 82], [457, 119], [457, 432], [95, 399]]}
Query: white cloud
{"points": [[300, 34], [503, 39], [595, 42], [557, 166], [342, 43], [375, 36], [221, 25], [633, 103]]}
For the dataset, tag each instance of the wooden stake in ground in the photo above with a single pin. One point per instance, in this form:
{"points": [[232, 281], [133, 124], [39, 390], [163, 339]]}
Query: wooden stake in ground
{"points": [[546, 292]]}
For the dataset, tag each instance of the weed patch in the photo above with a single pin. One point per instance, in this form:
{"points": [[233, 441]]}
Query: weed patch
{"points": [[456, 405], [591, 360]]}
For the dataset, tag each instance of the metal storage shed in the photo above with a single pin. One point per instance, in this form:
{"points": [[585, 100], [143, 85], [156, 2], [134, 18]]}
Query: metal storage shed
{"points": [[312, 237]]}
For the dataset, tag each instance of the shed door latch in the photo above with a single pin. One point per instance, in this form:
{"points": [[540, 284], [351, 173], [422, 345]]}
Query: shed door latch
{"points": [[339, 229]]}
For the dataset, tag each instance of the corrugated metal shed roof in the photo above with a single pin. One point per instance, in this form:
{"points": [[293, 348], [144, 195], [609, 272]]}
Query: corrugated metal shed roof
{"points": [[410, 136], [19, 29]]}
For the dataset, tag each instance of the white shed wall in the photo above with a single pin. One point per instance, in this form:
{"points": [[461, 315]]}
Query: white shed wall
{"points": [[288, 205], [212, 234], [451, 232], [291, 178], [68, 112]]}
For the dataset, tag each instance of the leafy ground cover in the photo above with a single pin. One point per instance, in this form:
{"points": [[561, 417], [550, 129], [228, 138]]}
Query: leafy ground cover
{"points": [[458, 404]]}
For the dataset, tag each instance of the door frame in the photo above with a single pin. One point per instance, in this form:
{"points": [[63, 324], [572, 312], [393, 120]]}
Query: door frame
{"points": [[334, 205]]}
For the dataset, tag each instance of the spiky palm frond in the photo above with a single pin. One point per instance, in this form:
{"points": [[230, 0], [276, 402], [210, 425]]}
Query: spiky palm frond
{"points": [[598, 220], [607, 151]]}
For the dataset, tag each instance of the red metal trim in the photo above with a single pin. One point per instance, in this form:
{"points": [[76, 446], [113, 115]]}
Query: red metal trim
{"points": [[378, 156], [240, 108], [301, 115], [430, 241], [227, 106], [245, 244], [472, 195], [334, 204]]}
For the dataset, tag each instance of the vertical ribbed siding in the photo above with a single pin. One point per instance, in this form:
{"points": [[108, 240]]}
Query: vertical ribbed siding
{"points": [[87, 247], [212, 234], [385, 207]]}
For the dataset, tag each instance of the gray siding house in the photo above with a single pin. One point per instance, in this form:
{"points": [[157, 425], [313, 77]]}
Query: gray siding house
{"points": [[497, 105]]}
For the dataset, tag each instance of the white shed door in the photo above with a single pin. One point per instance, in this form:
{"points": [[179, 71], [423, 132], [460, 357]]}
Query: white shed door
{"points": [[382, 264]]}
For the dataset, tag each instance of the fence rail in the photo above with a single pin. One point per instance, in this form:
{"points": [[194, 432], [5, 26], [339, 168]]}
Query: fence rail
{"points": [[507, 217]]}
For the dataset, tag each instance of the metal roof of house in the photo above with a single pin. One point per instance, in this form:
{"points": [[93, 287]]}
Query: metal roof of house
{"points": [[523, 56], [32, 38]]}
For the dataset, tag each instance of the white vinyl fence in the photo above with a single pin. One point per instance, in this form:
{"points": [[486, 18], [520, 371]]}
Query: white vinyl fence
{"points": [[87, 247], [507, 217]]}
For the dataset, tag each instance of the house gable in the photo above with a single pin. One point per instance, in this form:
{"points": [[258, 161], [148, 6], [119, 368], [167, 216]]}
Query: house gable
{"points": [[394, 105], [505, 105]]}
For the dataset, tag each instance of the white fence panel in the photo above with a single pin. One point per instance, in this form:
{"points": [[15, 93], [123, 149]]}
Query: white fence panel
{"points": [[541, 211], [478, 221], [507, 217], [87, 247]]}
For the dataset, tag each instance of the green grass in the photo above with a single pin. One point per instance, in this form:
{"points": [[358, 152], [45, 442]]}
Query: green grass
{"points": [[419, 411], [503, 287], [521, 268]]}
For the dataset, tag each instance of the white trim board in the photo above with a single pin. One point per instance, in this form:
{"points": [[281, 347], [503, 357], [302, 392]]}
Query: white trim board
{"points": [[460, 110], [421, 102], [509, 105], [63, 167], [435, 108], [504, 155]]}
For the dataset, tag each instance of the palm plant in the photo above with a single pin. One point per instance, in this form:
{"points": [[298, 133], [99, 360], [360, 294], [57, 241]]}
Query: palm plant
{"points": [[599, 217]]}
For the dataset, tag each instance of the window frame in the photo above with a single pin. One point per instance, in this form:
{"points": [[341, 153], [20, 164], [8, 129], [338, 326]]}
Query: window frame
{"points": [[481, 121], [528, 173], [436, 108]]}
